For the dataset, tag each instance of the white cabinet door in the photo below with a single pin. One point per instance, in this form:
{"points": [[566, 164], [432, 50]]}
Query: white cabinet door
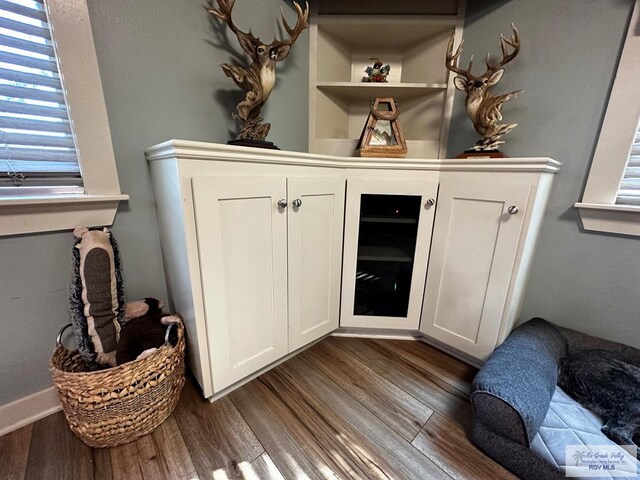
{"points": [[474, 248], [386, 249], [315, 257], [242, 247]]}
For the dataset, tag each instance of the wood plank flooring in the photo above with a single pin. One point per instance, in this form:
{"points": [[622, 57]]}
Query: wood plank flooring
{"points": [[345, 408]]}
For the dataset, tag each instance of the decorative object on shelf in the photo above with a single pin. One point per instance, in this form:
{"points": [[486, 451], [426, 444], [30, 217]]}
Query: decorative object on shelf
{"points": [[258, 80], [382, 135], [483, 108], [378, 72]]}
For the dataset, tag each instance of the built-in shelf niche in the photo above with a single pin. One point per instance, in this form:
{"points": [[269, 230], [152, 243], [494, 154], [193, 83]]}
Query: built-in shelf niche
{"points": [[345, 49], [420, 118], [414, 46]]}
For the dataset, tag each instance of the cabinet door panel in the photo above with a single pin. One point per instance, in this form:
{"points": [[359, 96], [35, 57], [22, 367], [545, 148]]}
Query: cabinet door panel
{"points": [[475, 243], [315, 257], [242, 247], [386, 248]]}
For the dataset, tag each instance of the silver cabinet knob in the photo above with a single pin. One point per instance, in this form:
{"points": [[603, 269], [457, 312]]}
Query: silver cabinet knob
{"points": [[513, 210], [297, 203], [430, 202], [282, 203]]}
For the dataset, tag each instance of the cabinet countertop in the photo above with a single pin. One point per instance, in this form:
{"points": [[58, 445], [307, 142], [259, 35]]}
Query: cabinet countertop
{"points": [[192, 150]]}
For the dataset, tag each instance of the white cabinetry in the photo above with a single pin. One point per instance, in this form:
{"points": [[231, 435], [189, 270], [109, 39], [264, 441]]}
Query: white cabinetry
{"points": [[315, 256], [242, 245], [255, 259], [386, 249], [476, 237], [255, 237]]}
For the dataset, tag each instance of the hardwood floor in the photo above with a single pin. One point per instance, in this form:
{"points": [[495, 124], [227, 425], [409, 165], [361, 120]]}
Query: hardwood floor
{"points": [[345, 408]]}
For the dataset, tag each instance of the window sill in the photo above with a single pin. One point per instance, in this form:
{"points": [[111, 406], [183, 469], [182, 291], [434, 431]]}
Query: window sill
{"points": [[620, 219], [20, 215]]}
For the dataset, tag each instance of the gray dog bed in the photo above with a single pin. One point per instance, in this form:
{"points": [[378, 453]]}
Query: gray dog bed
{"points": [[522, 419]]}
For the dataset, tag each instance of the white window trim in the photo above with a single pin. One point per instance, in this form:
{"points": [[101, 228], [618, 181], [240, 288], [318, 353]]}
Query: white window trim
{"points": [[69, 20], [598, 208]]}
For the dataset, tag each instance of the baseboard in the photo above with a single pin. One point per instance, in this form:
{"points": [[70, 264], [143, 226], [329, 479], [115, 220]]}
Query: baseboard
{"points": [[26, 410], [247, 379], [391, 334], [381, 333], [452, 351]]}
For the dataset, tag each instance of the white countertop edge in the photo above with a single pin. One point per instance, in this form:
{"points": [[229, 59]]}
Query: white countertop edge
{"points": [[191, 150]]}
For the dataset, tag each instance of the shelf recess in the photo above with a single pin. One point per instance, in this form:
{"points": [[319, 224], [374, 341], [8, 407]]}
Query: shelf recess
{"points": [[379, 219], [364, 90], [375, 253]]}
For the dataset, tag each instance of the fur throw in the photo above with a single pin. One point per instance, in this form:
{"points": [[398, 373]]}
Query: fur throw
{"points": [[142, 336], [604, 383], [139, 308]]}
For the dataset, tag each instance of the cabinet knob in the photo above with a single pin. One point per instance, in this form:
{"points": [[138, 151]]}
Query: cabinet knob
{"points": [[282, 203], [430, 202], [297, 203], [513, 210]]}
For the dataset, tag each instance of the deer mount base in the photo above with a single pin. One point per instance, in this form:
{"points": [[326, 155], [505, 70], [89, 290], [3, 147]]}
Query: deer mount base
{"points": [[247, 142], [482, 154]]}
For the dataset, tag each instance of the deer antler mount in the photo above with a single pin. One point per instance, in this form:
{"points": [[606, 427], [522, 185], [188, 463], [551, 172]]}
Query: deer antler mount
{"points": [[483, 108], [258, 80]]}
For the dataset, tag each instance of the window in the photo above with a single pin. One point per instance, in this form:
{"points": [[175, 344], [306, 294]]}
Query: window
{"points": [[629, 191], [57, 168], [611, 200], [37, 148]]}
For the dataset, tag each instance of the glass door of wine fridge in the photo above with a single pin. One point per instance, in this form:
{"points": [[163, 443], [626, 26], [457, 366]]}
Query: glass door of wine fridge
{"points": [[387, 237]]}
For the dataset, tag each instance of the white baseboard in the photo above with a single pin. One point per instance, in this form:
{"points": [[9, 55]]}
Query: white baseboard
{"points": [[379, 333], [390, 334], [474, 362], [247, 379], [26, 410]]}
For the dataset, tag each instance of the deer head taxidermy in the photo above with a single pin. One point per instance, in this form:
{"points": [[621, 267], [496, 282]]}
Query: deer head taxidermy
{"points": [[258, 80], [483, 108]]}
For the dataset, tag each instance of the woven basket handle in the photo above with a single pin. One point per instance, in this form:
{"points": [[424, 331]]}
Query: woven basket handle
{"points": [[168, 333], [60, 333]]}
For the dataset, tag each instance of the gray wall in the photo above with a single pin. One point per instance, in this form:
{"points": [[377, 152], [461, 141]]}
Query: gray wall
{"points": [[159, 66], [570, 49], [159, 63]]}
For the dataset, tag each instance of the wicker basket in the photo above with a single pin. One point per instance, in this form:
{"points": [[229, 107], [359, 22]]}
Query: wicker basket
{"points": [[107, 408]]}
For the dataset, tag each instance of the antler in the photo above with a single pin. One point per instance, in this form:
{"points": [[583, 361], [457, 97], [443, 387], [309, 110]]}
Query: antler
{"points": [[513, 42], [247, 41], [452, 57], [301, 23]]}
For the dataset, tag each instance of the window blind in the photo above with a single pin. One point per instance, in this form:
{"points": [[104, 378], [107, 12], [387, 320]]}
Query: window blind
{"points": [[37, 147], [629, 191]]}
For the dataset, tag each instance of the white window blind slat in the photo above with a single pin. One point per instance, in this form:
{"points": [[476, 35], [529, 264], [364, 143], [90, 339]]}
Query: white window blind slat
{"points": [[24, 61], [47, 111], [629, 190], [24, 28], [35, 140], [25, 154], [36, 13], [37, 147], [18, 77], [26, 123], [30, 92], [44, 48]]}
